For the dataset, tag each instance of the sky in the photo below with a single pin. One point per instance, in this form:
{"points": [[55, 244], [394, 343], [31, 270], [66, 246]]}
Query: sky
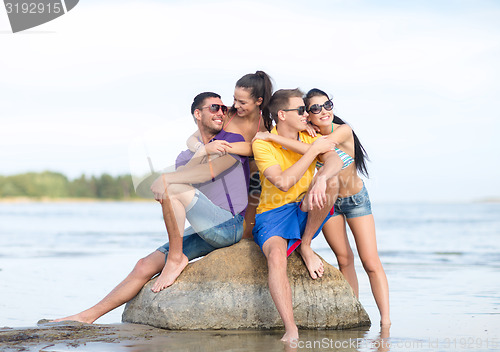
{"points": [[110, 83]]}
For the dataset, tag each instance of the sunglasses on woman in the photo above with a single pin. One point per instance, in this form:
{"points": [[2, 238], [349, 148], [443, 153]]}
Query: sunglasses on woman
{"points": [[300, 110], [316, 108], [214, 108]]}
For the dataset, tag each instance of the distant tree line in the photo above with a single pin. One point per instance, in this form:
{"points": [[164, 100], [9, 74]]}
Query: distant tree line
{"points": [[56, 185]]}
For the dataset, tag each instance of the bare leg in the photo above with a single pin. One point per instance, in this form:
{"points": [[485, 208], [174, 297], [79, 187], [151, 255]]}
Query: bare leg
{"points": [[363, 229], [253, 202], [315, 218], [250, 215], [336, 236], [125, 291], [174, 215], [275, 251]]}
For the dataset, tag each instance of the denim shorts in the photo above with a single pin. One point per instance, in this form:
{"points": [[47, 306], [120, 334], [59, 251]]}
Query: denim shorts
{"points": [[355, 205], [211, 227]]}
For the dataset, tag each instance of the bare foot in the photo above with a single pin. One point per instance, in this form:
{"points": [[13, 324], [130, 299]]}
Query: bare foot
{"points": [[169, 274], [313, 263], [77, 317], [291, 335]]}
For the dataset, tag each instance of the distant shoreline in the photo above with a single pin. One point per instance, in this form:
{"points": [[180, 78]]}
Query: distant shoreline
{"points": [[488, 200], [21, 200]]}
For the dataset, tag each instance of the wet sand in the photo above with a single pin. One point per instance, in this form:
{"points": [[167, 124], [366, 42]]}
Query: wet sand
{"points": [[73, 336]]}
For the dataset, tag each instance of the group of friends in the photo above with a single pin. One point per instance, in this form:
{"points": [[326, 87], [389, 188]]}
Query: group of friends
{"points": [[279, 167]]}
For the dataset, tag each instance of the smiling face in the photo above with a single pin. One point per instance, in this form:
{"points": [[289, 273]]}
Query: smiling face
{"points": [[244, 103], [292, 117], [323, 118], [209, 122]]}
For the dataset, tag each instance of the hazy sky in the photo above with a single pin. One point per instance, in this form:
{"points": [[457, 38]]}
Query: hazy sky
{"points": [[101, 87]]}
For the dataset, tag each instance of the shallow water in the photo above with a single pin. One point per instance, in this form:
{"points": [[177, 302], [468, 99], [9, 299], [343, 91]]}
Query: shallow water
{"points": [[442, 262]]}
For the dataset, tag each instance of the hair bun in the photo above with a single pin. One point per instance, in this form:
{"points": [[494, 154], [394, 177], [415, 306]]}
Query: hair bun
{"points": [[261, 74]]}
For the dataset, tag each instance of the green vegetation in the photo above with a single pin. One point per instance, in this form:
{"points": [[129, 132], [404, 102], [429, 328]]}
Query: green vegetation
{"points": [[56, 185]]}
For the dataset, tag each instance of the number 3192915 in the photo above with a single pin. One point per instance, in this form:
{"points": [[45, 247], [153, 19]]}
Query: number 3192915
{"points": [[32, 7]]}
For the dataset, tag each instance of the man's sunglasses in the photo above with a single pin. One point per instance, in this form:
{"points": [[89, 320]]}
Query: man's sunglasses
{"points": [[214, 108], [316, 108], [300, 110]]}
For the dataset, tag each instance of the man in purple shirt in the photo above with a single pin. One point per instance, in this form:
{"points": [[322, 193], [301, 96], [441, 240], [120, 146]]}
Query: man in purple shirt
{"points": [[211, 193], [209, 188]]}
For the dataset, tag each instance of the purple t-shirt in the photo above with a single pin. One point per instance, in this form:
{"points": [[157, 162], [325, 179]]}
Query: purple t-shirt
{"points": [[229, 190]]}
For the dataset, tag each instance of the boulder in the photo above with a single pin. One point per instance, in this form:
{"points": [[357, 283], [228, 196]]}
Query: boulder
{"points": [[228, 289]]}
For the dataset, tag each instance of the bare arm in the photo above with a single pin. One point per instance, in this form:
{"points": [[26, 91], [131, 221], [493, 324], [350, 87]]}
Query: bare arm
{"points": [[192, 175], [341, 134], [292, 144], [208, 151], [338, 136], [241, 148], [193, 142], [219, 148], [199, 157], [286, 179], [202, 172], [331, 168]]}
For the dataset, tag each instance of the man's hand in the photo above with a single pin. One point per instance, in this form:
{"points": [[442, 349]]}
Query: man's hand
{"points": [[317, 193], [159, 188], [322, 145]]}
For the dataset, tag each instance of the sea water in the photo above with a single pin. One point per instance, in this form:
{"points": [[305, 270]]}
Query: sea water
{"points": [[442, 262]]}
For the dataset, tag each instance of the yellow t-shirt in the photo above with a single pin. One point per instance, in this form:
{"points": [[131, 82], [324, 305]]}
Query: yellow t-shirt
{"points": [[267, 154]]}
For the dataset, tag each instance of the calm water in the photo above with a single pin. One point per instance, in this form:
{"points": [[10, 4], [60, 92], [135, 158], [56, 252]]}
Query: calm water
{"points": [[442, 262]]}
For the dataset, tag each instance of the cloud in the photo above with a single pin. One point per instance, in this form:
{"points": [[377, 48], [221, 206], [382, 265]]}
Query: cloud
{"points": [[422, 78]]}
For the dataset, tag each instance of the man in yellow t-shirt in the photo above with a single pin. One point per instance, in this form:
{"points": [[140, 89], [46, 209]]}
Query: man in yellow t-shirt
{"points": [[284, 218]]}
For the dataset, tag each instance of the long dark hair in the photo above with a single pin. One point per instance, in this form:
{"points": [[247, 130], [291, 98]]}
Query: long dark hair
{"points": [[360, 155], [260, 86]]}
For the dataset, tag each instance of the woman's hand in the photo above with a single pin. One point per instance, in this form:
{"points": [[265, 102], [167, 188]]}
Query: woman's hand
{"points": [[218, 147], [311, 130], [265, 136]]}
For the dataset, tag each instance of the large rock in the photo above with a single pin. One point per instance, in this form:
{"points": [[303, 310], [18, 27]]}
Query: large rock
{"points": [[228, 289]]}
